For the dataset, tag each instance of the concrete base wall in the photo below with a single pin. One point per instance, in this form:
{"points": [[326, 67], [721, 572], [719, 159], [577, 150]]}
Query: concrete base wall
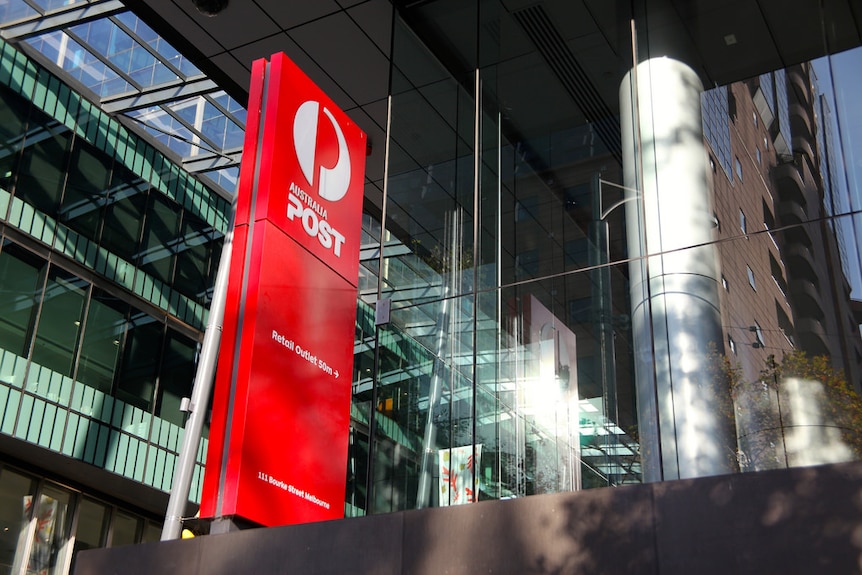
{"points": [[804, 520]]}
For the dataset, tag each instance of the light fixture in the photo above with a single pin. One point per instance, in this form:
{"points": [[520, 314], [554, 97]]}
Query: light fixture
{"points": [[210, 7]]}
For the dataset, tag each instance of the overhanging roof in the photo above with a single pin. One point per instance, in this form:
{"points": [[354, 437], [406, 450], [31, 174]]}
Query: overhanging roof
{"points": [[344, 45]]}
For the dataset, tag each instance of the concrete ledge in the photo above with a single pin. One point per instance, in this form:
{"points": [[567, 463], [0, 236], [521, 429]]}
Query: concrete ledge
{"points": [[805, 520]]}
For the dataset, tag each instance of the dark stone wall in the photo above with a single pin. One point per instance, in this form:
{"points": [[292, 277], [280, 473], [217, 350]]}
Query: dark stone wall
{"points": [[806, 520]]}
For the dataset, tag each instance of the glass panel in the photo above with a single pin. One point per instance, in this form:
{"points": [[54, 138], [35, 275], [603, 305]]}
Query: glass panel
{"points": [[13, 114], [43, 168], [48, 549], [220, 130], [166, 129], [152, 532], [176, 377], [16, 490], [60, 321], [15, 10], [86, 189], [233, 107], [102, 341], [529, 388], [137, 380], [20, 281], [92, 528], [227, 178], [193, 259], [109, 40], [125, 529], [159, 244], [80, 63], [92, 525], [124, 215], [165, 50], [48, 5]]}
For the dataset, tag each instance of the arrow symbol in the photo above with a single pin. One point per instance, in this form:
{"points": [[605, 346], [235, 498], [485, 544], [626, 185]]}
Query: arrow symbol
{"points": [[336, 374]]}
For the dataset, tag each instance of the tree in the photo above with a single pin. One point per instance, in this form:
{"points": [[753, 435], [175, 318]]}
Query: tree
{"points": [[842, 406], [800, 411]]}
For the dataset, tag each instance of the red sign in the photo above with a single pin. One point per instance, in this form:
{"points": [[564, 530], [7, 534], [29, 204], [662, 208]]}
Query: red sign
{"points": [[311, 170], [281, 409]]}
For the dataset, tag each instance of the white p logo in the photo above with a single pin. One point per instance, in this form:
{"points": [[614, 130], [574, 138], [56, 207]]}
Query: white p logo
{"points": [[332, 182]]}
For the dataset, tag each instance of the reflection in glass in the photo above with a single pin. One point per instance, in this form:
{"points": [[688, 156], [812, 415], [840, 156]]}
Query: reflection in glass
{"points": [[157, 253], [137, 380], [15, 490], [125, 529], [103, 339], [125, 214], [92, 525], [86, 186], [43, 169], [60, 321], [20, 280], [176, 377], [50, 534]]}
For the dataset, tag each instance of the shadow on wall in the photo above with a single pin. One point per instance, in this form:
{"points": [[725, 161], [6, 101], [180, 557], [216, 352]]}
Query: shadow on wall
{"points": [[804, 520]]}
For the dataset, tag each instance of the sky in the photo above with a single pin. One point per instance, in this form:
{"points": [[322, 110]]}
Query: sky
{"points": [[839, 77]]}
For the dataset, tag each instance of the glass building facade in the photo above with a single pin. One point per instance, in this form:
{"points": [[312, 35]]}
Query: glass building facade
{"points": [[604, 273], [613, 252], [107, 262]]}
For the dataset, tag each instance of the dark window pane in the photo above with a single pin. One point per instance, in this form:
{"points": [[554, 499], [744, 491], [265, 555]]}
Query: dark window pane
{"points": [[103, 336], [12, 115], [125, 531], [192, 275], [177, 374], [15, 490], [137, 380], [60, 321], [42, 170], [124, 214], [160, 238], [92, 524], [51, 526], [20, 281], [89, 175], [92, 527]]}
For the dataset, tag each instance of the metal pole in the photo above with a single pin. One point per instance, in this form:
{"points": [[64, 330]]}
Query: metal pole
{"points": [[201, 392]]}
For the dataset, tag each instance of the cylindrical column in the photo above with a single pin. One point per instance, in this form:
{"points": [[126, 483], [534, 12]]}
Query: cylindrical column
{"points": [[686, 424]]}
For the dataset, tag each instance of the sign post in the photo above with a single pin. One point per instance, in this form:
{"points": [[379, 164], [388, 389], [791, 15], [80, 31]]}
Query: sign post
{"points": [[281, 409]]}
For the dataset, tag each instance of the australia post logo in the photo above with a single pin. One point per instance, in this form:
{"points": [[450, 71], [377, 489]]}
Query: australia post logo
{"points": [[324, 161]]}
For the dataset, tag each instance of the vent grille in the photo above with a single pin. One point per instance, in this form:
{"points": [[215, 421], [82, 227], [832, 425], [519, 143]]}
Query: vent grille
{"points": [[541, 30]]}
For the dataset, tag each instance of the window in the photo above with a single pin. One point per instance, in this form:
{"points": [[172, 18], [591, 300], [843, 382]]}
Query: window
{"points": [[21, 274], [60, 321], [751, 278], [742, 225], [754, 117], [577, 252], [102, 341], [580, 310], [768, 217], [778, 274], [784, 323], [724, 283], [758, 335], [527, 264], [759, 157], [738, 169], [527, 209], [731, 345]]}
